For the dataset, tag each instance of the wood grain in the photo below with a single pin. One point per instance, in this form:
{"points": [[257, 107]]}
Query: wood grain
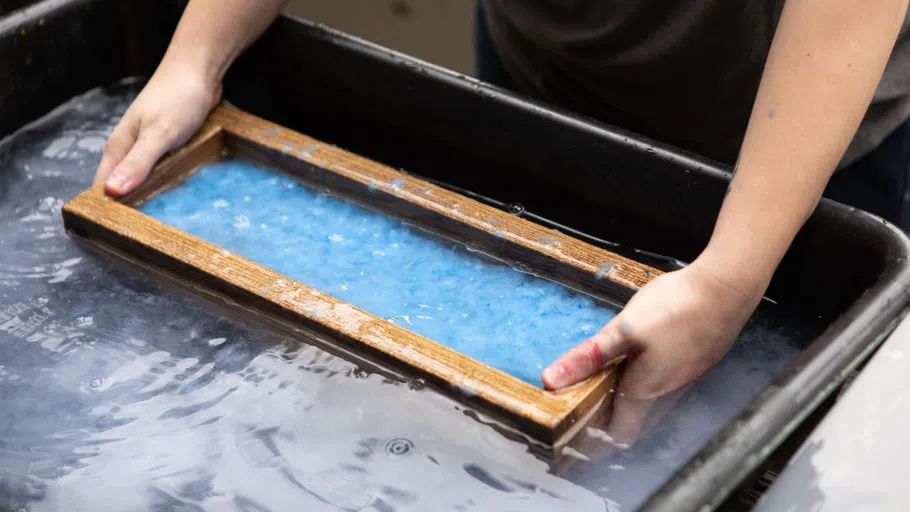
{"points": [[547, 418]]}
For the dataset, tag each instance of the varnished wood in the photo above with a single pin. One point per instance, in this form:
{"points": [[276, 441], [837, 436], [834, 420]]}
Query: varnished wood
{"points": [[549, 418]]}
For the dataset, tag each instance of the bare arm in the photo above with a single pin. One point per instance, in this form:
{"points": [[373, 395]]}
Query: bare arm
{"points": [[825, 63], [185, 87], [212, 33]]}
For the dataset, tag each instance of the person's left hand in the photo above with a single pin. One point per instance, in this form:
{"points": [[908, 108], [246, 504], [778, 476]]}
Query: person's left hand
{"points": [[672, 331]]}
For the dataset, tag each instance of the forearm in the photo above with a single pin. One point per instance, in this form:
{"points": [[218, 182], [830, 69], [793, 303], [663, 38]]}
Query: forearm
{"points": [[824, 66], [212, 33]]}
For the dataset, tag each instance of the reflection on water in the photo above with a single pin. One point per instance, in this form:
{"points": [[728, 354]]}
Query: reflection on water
{"points": [[118, 394]]}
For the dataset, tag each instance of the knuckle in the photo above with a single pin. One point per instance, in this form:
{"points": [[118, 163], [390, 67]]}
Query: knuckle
{"points": [[136, 155], [160, 134], [133, 164], [592, 354], [114, 143], [162, 129]]}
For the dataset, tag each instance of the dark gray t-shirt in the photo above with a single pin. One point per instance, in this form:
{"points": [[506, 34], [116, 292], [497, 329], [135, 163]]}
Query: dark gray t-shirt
{"points": [[683, 72]]}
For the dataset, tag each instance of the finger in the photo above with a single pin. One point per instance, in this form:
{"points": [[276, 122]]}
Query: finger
{"points": [[116, 148], [632, 418], [627, 419], [661, 407], [135, 166], [587, 358], [593, 441]]}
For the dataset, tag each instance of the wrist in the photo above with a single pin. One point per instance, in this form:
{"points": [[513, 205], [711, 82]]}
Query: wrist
{"points": [[754, 230], [743, 274], [197, 62], [189, 72]]}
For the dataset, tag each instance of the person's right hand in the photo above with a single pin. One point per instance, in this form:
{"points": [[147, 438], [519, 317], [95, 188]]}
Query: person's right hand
{"points": [[166, 114]]}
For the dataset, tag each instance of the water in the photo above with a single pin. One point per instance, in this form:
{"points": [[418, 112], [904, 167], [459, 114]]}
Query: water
{"points": [[484, 309], [119, 394]]}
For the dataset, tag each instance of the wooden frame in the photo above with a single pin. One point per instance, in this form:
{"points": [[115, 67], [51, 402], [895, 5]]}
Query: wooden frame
{"points": [[549, 418]]}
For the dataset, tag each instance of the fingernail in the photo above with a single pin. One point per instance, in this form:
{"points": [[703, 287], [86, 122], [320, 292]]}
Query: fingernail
{"points": [[116, 180], [555, 376]]}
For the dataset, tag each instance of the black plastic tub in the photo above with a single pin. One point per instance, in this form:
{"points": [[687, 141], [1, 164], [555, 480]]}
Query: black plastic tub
{"points": [[847, 269]]}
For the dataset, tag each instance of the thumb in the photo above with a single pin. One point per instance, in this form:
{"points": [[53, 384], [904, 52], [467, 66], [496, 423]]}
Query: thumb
{"points": [[138, 162], [118, 144], [588, 357]]}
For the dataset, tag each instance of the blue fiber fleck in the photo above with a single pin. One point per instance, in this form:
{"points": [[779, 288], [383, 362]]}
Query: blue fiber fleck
{"points": [[510, 320]]}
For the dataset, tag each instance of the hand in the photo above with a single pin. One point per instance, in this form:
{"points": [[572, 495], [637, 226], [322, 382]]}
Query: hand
{"points": [[624, 422], [674, 329], [165, 115]]}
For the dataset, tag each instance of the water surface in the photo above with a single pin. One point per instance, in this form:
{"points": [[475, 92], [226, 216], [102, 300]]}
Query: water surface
{"points": [[119, 394]]}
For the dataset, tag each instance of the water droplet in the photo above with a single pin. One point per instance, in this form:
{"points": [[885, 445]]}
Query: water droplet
{"points": [[361, 374], [417, 384], [549, 242], [521, 267], [96, 383], [516, 209], [604, 270]]}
